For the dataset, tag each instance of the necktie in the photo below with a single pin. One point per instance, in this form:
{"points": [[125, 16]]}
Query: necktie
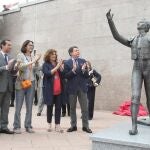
{"points": [[6, 59], [76, 61]]}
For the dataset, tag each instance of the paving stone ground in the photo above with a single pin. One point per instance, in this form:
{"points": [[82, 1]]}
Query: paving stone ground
{"points": [[43, 140]]}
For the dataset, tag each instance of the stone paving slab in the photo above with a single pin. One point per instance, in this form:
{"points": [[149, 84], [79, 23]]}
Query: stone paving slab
{"points": [[43, 140]]}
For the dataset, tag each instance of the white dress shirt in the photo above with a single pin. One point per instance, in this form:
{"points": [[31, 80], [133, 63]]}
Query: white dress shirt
{"points": [[4, 58]]}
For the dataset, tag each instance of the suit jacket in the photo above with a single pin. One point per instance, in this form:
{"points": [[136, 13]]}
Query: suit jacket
{"points": [[76, 80], [48, 82], [5, 76]]}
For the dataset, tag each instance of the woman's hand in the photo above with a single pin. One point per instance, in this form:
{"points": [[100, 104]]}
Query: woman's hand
{"points": [[37, 58], [60, 62], [62, 67]]}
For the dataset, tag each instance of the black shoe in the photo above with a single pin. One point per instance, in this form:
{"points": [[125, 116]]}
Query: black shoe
{"points": [[38, 114], [88, 130], [63, 115], [71, 129], [7, 131], [11, 105]]}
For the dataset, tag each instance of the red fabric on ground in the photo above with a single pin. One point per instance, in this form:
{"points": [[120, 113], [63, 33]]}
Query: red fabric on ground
{"points": [[124, 109]]}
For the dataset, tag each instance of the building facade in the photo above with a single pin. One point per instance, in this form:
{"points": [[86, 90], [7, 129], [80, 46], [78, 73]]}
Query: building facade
{"points": [[60, 24]]}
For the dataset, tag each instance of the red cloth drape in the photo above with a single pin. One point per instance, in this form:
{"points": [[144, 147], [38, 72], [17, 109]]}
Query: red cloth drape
{"points": [[124, 109]]}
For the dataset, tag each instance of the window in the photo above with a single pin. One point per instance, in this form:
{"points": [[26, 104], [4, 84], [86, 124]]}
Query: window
{"points": [[12, 4]]}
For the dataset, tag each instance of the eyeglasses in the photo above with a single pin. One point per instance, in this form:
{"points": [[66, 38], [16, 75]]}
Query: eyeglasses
{"points": [[31, 45]]}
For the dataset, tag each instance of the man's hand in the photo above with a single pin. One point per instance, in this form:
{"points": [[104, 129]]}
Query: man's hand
{"points": [[11, 64], [109, 15]]}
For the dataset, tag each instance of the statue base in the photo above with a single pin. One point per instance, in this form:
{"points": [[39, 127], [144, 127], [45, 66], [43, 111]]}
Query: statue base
{"points": [[118, 138], [144, 121]]}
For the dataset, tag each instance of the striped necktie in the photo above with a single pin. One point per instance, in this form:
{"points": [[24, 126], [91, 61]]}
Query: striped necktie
{"points": [[76, 61]]}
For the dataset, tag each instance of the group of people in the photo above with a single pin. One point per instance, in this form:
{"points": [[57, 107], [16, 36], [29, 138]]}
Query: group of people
{"points": [[60, 80]]}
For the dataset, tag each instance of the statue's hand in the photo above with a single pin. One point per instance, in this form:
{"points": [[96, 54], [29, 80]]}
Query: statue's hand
{"points": [[109, 15]]}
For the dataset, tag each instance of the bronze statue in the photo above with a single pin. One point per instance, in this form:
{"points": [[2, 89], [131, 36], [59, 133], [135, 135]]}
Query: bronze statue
{"points": [[140, 53]]}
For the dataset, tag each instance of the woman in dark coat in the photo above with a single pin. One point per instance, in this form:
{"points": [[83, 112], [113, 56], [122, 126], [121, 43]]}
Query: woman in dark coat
{"points": [[93, 81], [52, 87]]}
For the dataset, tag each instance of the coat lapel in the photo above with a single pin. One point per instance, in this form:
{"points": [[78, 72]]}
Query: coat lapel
{"points": [[71, 63], [2, 60]]}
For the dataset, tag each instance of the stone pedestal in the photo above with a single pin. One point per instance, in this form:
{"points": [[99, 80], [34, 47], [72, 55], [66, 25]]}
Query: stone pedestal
{"points": [[144, 121], [118, 138]]}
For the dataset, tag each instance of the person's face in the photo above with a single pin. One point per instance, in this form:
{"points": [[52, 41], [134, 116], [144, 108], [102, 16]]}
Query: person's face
{"points": [[75, 53], [7, 47], [87, 64], [4, 6], [53, 57], [141, 26], [30, 47]]}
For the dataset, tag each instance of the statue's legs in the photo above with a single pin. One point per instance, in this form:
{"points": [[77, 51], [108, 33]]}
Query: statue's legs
{"points": [[147, 87], [136, 84]]}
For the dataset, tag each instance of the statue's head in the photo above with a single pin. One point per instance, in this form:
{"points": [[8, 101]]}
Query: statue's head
{"points": [[143, 25]]}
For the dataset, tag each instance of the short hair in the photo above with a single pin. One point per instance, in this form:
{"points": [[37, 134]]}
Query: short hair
{"points": [[3, 42], [71, 49], [146, 23], [24, 45], [89, 63], [48, 53]]}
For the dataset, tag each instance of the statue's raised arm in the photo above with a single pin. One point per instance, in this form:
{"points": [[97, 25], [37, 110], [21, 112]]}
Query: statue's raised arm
{"points": [[114, 31]]}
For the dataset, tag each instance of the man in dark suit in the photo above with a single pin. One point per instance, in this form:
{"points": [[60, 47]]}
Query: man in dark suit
{"points": [[75, 72], [5, 85]]}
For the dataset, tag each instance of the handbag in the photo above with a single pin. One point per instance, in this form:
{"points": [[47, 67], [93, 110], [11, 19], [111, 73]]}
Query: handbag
{"points": [[25, 84]]}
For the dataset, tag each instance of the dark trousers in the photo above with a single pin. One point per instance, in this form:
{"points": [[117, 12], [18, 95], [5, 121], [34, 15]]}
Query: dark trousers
{"points": [[57, 102], [91, 100], [35, 98], [82, 98], [64, 108], [13, 92], [36, 94]]}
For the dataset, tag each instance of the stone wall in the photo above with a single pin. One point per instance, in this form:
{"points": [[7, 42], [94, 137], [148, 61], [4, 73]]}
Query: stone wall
{"points": [[60, 24]]}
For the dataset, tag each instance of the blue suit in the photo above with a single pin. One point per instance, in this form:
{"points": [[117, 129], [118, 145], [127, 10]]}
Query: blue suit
{"points": [[76, 80], [77, 88]]}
